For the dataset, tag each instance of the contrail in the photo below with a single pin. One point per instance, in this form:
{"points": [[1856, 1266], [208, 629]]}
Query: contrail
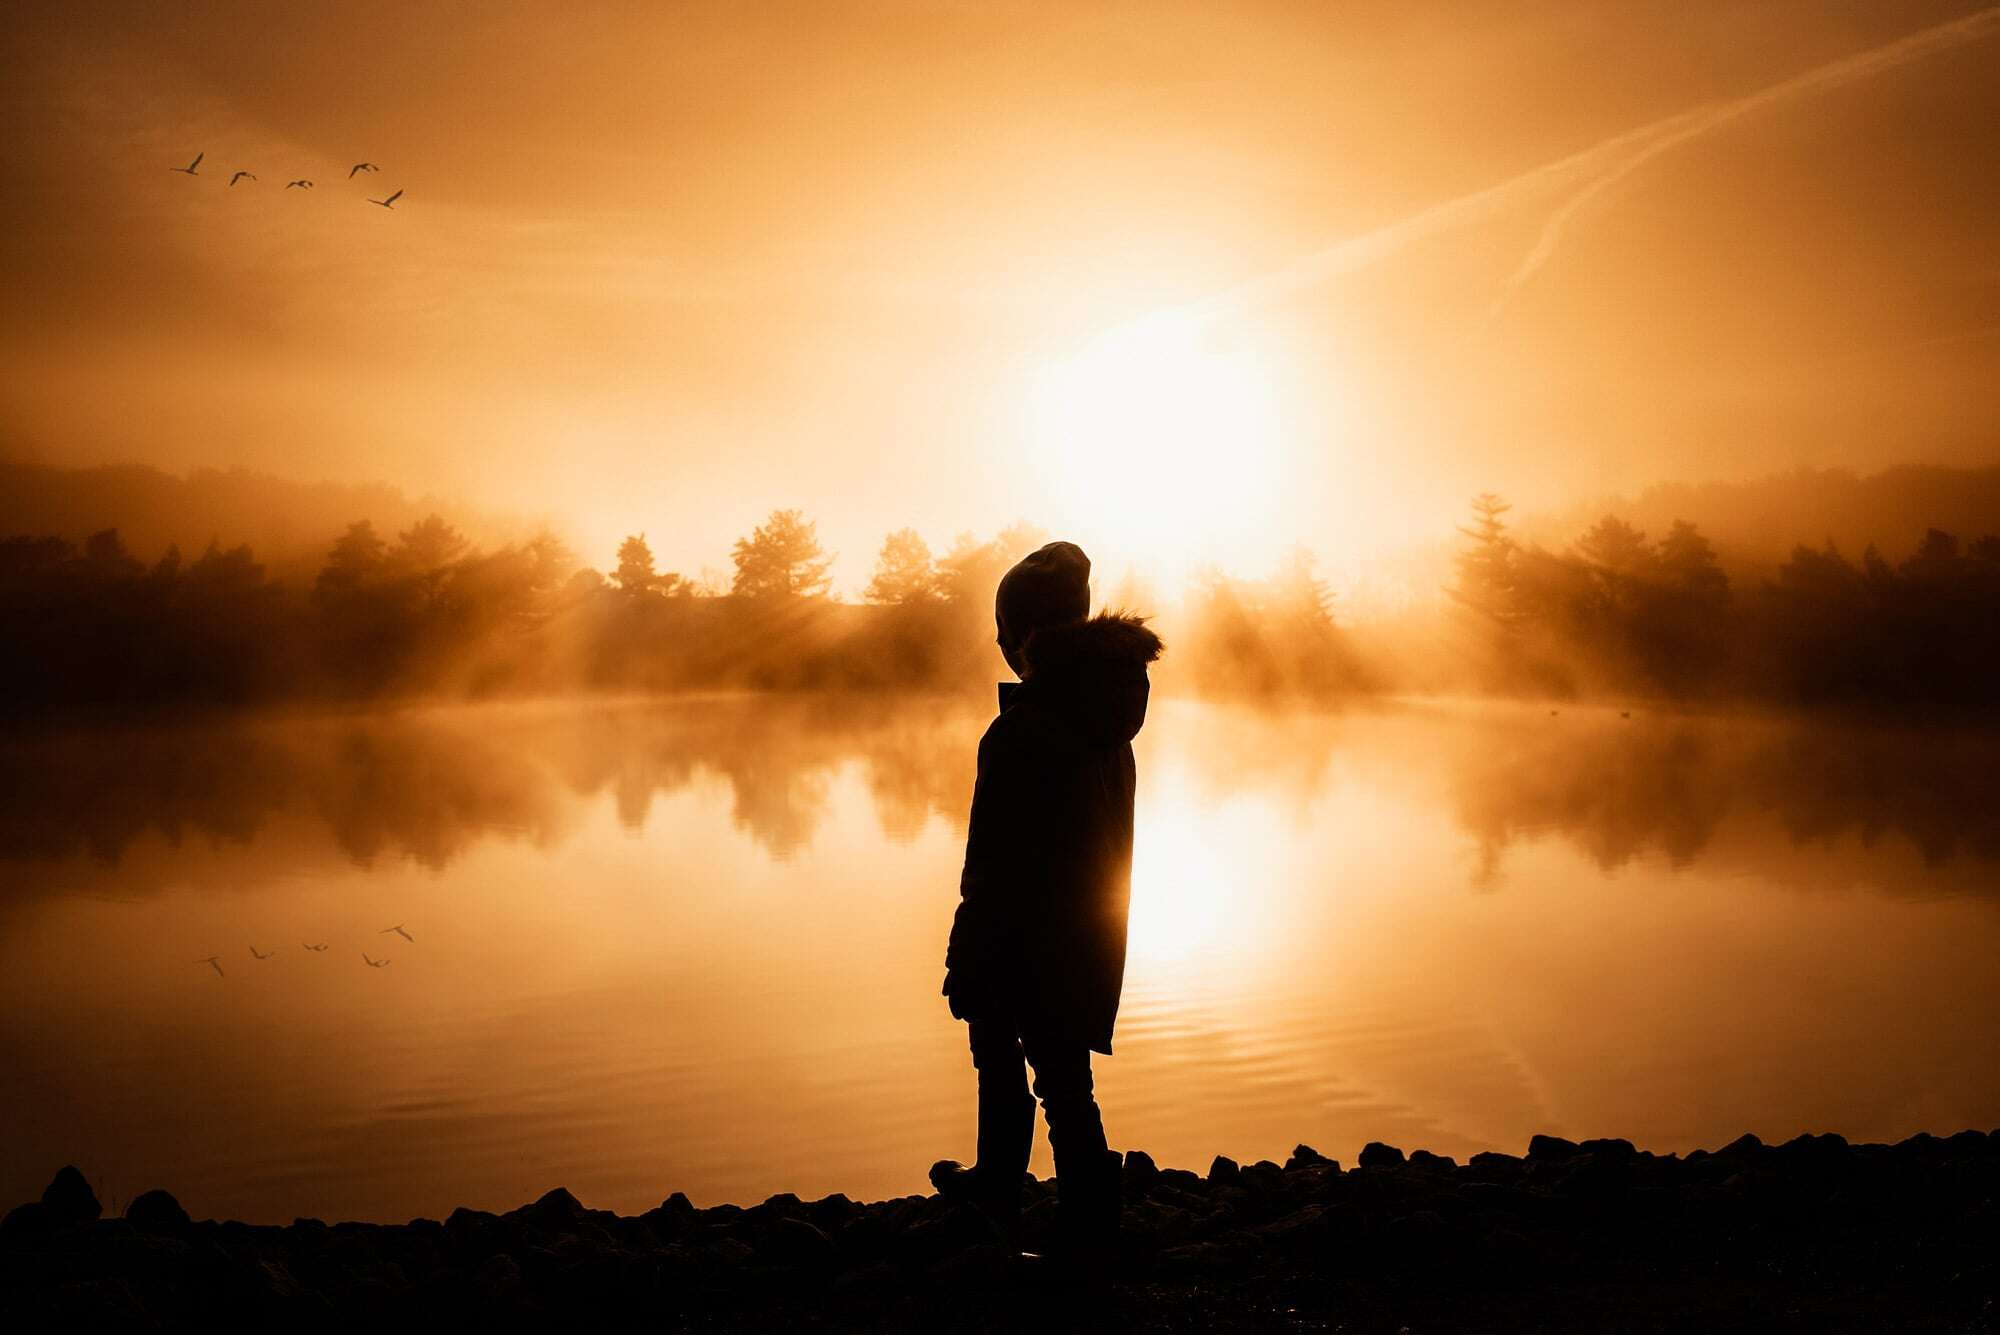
{"points": [[1599, 167], [1671, 134]]}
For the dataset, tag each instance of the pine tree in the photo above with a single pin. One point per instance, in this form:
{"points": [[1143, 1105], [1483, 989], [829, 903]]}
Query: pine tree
{"points": [[1486, 581], [782, 558], [905, 572]]}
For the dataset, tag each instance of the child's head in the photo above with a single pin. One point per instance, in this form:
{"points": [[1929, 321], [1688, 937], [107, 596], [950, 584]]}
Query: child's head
{"points": [[1048, 587]]}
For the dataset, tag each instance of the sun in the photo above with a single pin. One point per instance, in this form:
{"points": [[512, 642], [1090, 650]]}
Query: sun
{"points": [[1164, 441]]}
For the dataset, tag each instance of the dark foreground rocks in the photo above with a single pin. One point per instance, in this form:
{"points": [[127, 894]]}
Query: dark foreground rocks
{"points": [[1815, 1234]]}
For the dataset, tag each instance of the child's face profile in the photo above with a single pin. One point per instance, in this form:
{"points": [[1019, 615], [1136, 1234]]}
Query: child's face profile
{"points": [[1012, 655]]}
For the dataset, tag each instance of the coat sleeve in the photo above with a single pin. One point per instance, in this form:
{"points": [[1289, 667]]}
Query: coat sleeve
{"points": [[979, 959]]}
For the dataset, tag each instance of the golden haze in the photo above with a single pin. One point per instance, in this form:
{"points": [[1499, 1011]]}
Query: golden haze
{"points": [[665, 270]]}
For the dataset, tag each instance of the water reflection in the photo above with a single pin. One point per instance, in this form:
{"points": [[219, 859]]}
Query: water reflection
{"points": [[697, 944], [429, 785], [1899, 803]]}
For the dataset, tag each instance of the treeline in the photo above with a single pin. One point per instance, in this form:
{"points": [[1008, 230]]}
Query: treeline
{"points": [[425, 611], [428, 613], [1618, 611]]}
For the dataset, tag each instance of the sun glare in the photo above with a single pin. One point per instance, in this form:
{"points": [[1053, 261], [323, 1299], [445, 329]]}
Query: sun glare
{"points": [[1163, 440], [1183, 890]]}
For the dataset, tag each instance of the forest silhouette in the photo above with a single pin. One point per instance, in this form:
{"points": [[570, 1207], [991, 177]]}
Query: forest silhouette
{"points": [[424, 611]]}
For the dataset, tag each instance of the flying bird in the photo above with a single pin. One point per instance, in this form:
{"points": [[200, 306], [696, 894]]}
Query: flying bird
{"points": [[374, 964], [240, 175], [214, 961], [300, 182], [361, 167], [321, 946], [263, 955], [398, 930], [190, 170], [390, 202]]}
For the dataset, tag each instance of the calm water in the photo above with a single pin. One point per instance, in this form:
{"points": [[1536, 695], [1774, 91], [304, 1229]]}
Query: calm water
{"points": [[697, 945]]}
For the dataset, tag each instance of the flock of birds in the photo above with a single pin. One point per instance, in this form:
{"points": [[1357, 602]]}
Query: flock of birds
{"points": [[193, 169], [215, 961]]}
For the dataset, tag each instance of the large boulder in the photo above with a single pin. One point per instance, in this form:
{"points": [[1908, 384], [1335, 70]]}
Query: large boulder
{"points": [[156, 1211], [797, 1244], [25, 1225], [1140, 1173], [69, 1199], [1377, 1155]]}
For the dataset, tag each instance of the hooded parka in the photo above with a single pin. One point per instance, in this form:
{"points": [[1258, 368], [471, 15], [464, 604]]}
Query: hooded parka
{"points": [[1039, 934]]}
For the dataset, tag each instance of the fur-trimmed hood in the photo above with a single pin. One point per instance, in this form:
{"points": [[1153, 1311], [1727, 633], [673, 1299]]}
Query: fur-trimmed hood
{"points": [[1092, 674]]}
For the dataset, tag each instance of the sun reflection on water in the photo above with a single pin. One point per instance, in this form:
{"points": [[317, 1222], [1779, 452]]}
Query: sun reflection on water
{"points": [[1195, 869]]}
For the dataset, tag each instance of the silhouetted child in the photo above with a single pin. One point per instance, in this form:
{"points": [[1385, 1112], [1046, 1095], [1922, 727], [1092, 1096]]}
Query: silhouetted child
{"points": [[1037, 954]]}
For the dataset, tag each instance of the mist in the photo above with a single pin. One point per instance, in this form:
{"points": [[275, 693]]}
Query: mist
{"points": [[687, 255]]}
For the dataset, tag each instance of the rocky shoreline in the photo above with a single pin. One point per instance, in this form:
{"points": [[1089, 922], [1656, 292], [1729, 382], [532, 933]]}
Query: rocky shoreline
{"points": [[1815, 1234]]}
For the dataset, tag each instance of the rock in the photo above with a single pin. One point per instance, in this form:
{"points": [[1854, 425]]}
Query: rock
{"points": [[555, 1210], [69, 1199], [925, 1243], [1494, 1167], [1163, 1224], [985, 1265], [156, 1211], [1436, 1163], [1596, 1176], [1218, 1258], [1303, 1155], [1262, 1177], [1229, 1202], [1817, 1150], [26, 1225], [1224, 1169], [465, 1220], [498, 1277], [797, 1244], [673, 1218], [1743, 1145], [1544, 1149], [784, 1205], [276, 1280], [1417, 1233], [729, 1252], [1377, 1155], [1180, 1179], [1608, 1149], [867, 1281], [1298, 1228], [1140, 1172], [830, 1212]]}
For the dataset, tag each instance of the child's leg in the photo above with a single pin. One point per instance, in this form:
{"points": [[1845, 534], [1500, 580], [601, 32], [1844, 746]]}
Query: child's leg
{"points": [[1087, 1172], [1006, 1109]]}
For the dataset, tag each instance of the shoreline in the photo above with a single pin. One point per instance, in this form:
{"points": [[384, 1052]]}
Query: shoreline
{"points": [[1812, 1234]]}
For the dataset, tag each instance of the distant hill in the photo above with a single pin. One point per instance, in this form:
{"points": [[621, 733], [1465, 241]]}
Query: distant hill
{"points": [[1756, 524], [289, 525]]}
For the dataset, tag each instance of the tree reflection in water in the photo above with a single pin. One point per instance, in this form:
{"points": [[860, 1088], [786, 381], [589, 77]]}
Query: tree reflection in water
{"points": [[427, 785]]}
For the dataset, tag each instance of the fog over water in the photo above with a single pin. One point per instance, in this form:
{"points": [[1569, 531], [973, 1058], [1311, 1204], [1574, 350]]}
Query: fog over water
{"points": [[696, 944]]}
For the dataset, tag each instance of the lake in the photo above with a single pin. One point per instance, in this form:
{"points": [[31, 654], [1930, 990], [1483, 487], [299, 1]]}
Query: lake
{"points": [[696, 945]]}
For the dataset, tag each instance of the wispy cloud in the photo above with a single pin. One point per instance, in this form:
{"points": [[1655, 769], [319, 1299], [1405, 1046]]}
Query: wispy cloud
{"points": [[1670, 134], [1588, 173]]}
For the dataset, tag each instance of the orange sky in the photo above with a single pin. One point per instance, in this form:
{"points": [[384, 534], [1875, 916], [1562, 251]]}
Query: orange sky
{"points": [[665, 268]]}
